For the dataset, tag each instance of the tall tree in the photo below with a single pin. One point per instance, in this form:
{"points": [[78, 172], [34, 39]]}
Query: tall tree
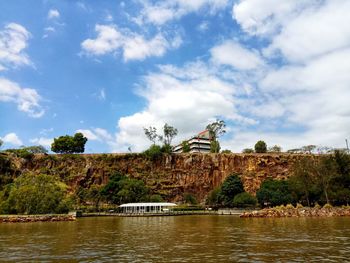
{"points": [[169, 134], [151, 134], [1, 142], [216, 129]]}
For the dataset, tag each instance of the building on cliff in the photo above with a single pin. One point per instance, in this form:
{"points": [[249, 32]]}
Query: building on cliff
{"points": [[198, 143]]}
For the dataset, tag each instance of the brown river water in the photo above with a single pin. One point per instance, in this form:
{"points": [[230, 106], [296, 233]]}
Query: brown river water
{"points": [[178, 239]]}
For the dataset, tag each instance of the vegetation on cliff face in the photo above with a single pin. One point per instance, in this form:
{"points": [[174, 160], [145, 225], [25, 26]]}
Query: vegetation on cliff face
{"points": [[231, 194], [324, 180], [169, 176]]}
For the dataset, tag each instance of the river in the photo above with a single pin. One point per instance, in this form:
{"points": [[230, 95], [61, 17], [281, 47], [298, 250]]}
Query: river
{"points": [[178, 239]]}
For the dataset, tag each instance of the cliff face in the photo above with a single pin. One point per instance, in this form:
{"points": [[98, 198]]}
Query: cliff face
{"points": [[171, 175]]}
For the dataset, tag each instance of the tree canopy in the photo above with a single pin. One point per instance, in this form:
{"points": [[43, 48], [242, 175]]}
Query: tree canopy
{"points": [[260, 147], [69, 144]]}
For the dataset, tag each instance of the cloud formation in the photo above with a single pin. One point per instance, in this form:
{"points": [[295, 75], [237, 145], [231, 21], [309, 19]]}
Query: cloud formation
{"points": [[26, 99], [161, 12], [133, 46], [12, 138], [305, 96], [53, 14], [13, 41]]}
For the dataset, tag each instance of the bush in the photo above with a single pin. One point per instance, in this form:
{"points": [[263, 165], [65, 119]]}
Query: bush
{"points": [[37, 194], [260, 147], [166, 148], [215, 146], [190, 199], [248, 150], [274, 193], [317, 206], [226, 151], [214, 197], [299, 206], [69, 144], [244, 200], [154, 152], [289, 206], [327, 206], [156, 198], [185, 147]]}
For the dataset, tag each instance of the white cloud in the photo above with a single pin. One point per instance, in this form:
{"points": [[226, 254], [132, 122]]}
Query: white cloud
{"points": [[12, 138], [266, 17], [13, 41], [46, 142], [187, 98], [27, 99], [314, 32], [53, 14], [111, 39], [165, 11], [233, 54], [97, 134]]}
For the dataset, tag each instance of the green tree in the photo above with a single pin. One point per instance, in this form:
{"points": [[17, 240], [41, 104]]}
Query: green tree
{"points": [[132, 190], [69, 144], [151, 134], [260, 147], [248, 150], [226, 151], [169, 134], [156, 199], [185, 147], [231, 187], [214, 197], [274, 192], [214, 146], [275, 149], [37, 194], [190, 199], [244, 200], [1, 143], [308, 148], [111, 189], [302, 180], [216, 129], [121, 189]]}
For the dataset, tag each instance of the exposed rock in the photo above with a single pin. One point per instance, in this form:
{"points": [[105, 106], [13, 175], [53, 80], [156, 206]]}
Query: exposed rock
{"points": [[299, 212], [170, 175], [36, 218]]}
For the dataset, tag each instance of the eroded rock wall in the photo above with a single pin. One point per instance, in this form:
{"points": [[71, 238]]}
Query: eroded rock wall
{"points": [[171, 175]]}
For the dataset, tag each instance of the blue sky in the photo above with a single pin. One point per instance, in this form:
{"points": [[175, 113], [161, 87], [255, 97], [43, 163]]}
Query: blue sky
{"points": [[273, 70]]}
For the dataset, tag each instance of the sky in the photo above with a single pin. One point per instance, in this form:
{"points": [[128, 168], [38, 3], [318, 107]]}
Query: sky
{"points": [[273, 70]]}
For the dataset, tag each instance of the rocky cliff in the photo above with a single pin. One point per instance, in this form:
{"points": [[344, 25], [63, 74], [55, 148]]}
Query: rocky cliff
{"points": [[170, 175]]}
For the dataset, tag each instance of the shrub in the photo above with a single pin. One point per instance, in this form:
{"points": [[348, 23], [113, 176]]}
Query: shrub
{"points": [[226, 151], [37, 194], [214, 197], [327, 206], [185, 147], [260, 147], [244, 200], [190, 199], [215, 146], [289, 206], [299, 206], [317, 206], [247, 150], [274, 192], [156, 198], [153, 152]]}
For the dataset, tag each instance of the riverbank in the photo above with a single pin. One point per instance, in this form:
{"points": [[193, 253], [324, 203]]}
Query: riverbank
{"points": [[298, 212], [36, 218]]}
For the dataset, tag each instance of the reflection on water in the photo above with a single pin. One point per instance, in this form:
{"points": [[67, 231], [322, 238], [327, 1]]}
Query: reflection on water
{"points": [[178, 239]]}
